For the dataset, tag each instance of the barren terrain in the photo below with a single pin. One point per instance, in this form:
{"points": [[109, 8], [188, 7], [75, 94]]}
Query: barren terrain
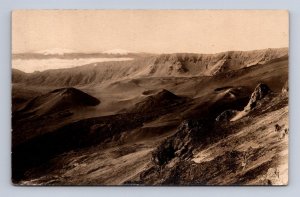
{"points": [[167, 119]]}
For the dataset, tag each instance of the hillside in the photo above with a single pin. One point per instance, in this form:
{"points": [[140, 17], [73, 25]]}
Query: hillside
{"points": [[169, 119], [159, 101], [58, 100], [175, 65]]}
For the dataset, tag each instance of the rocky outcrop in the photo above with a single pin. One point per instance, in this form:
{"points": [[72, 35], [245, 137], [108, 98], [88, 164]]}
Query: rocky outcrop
{"points": [[259, 93], [226, 115], [189, 135]]}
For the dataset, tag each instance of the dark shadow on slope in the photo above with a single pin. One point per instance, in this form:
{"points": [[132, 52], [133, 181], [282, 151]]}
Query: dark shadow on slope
{"points": [[86, 133], [58, 100]]}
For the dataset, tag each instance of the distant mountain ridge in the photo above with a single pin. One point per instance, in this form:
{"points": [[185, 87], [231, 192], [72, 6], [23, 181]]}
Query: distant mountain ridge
{"points": [[164, 65]]}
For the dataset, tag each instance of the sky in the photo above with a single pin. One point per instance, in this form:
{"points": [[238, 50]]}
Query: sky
{"points": [[153, 31]]}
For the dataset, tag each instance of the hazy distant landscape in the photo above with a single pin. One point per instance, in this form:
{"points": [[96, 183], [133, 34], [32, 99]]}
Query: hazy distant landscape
{"points": [[165, 119], [65, 58]]}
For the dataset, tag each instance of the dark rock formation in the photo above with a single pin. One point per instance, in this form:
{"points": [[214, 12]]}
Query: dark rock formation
{"points": [[226, 115], [259, 93], [189, 134]]}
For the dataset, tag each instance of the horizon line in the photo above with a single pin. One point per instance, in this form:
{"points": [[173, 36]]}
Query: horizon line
{"points": [[135, 52]]}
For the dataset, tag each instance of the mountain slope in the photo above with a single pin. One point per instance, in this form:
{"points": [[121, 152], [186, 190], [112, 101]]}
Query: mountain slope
{"points": [[254, 155], [166, 65], [163, 120]]}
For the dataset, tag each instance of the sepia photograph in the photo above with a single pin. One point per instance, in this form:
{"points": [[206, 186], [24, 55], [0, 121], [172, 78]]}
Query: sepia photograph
{"points": [[150, 97]]}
